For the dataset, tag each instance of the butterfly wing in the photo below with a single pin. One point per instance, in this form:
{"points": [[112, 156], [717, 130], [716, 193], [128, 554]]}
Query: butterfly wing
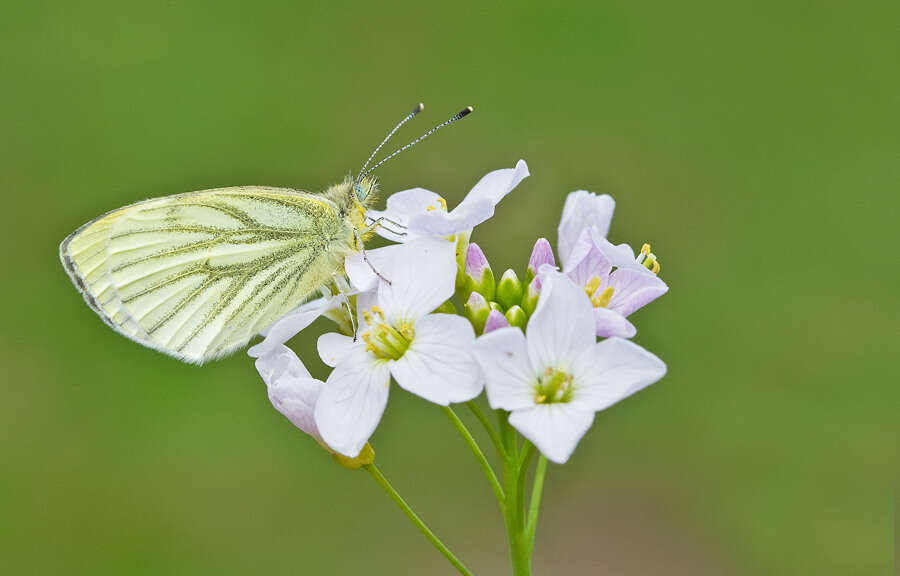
{"points": [[197, 275]]}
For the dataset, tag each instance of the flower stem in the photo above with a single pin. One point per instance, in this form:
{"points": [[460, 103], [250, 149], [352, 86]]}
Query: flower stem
{"points": [[423, 528], [492, 432], [535, 504], [485, 465]]}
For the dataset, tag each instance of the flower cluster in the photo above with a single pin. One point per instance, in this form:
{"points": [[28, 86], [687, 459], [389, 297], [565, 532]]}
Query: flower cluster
{"points": [[530, 342]]}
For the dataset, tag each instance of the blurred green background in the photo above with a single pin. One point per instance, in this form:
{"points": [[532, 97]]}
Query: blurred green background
{"points": [[755, 145]]}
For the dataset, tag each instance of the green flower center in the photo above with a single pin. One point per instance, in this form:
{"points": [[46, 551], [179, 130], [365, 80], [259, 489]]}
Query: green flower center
{"points": [[554, 386], [385, 341]]}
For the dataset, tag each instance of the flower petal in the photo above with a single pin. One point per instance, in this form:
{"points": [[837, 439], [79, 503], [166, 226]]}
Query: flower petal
{"points": [[554, 429], [494, 186], [361, 274], [611, 323], [587, 259], [292, 390], [290, 325], [495, 321], [582, 210], [562, 324], [439, 366], [476, 207], [352, 401], [508, 377], [633, 289], [334, 347], [612, 370], [422, 275], [401, 208]]}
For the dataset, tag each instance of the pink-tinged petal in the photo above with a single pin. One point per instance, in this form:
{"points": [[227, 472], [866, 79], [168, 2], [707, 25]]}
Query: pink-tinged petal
{"points": [[582, 210], [562, 324], [422, 275], [334, 347], [614, 369], [588, 259], [633, 289], [554, 429], [439, 366], [611, 323], [292, 390], [495, 321], [541, 255], [509, 380], [290, 325], [361, 274], [476, 261], [352, 401], [401, 208]]}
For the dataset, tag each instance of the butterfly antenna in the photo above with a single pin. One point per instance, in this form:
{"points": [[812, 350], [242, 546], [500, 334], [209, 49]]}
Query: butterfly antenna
{"points": [[461, 114], [409, 117]]}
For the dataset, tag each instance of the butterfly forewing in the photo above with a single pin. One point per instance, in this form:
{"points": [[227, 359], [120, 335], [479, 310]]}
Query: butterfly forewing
{"points": [[198, 275]]}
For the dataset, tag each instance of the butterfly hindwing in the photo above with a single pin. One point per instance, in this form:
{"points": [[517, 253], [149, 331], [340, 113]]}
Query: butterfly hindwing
{"points": [[198, 275]]}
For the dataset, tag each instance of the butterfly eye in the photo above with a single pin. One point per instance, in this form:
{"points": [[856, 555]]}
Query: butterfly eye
{"points": [[361, 192]]}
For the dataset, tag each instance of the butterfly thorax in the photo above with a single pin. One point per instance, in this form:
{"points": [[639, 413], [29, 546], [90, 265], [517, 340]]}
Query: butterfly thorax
{"points": [[352, 200]]}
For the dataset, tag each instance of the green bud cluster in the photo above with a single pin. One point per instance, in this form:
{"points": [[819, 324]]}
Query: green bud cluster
{"points": [[482, 293]]}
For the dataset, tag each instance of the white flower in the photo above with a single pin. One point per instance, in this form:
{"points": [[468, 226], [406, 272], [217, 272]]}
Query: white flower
{"points": [[423, 213], [292, 390], [617, 282], [292, 323], [427, 354], [556, 377], [582, 210]]}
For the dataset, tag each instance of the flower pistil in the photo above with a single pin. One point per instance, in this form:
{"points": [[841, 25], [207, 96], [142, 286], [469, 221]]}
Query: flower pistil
{"points": [[386, 342], [554, 386]]}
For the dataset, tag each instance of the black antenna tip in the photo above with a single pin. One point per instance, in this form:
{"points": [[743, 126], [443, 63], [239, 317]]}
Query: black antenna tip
{"points": [[464, 112], [418, 108]]}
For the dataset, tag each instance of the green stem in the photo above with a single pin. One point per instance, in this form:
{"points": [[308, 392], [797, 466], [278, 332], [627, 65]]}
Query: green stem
{"points": [[535, 504], [524, 463], [519, 551], [485, 465], [492, 432], [435, 541]]}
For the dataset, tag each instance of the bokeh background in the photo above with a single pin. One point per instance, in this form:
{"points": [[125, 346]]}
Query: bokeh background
{"points": [[754, 144]]}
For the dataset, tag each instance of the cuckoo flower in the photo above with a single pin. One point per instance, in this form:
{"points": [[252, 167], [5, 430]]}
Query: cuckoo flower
{"points": [[556, 376], [292, 390], [582, 210], [617, 282], [420, 212], [428, 354]]}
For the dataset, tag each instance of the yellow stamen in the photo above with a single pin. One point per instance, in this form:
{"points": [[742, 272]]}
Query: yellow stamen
{"points": [[592, 285], [602, 301], [648, 259], [379, 311], [443, 203]]}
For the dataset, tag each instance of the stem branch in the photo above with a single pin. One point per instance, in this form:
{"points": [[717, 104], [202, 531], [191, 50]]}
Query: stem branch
{"points": [[485, 465], [423, 528]]}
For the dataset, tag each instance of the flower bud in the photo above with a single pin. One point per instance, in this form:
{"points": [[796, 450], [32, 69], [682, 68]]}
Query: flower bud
{"points": [[365, 457], [517, 317], [478, 274], [462, 247], [509, 290], [530, 298], [541, 254], [477, 310], [495, 321]]}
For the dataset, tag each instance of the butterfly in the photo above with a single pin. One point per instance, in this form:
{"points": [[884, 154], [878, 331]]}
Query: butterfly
{"points": [[197, 275]]}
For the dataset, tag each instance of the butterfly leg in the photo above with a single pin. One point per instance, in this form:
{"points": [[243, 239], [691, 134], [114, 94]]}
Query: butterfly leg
{"points": [[340, 289], [380, 222], [366, 258]]}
